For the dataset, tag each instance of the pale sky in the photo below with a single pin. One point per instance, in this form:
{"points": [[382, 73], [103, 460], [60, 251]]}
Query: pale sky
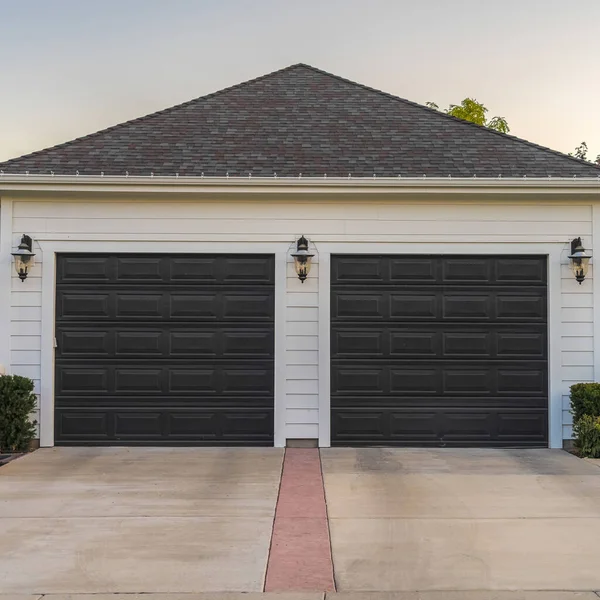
{"points": [[72, 67]]}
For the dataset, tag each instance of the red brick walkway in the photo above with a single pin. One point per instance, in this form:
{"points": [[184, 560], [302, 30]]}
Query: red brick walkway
{"points": [[300, 556]]}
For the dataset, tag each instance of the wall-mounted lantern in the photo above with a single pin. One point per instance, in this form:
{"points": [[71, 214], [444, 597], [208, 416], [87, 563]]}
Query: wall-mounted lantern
{"points": [[580, 260], [24, 257], [302, 258]]}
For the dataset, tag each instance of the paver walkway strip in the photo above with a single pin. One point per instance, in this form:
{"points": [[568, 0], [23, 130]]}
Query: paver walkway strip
{"points": [[300, 556]]}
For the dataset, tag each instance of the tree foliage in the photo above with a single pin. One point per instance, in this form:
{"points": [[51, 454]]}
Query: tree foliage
{"points": [[581, 153], [471, 110]]}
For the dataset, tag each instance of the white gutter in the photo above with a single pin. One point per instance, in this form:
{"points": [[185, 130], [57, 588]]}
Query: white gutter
{"points": [[176, 184]]}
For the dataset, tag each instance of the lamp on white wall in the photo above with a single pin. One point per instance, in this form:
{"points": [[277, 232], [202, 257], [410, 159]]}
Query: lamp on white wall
{"points": [[579, 259], [24, 257], [302, 258]]}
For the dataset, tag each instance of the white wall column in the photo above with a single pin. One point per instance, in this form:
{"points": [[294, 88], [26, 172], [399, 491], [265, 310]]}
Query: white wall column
{"points": [[6, 207], [596, 286]]}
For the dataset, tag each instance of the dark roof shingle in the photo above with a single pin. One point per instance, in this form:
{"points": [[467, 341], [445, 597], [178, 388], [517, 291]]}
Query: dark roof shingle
{"points": [[301, 120]]}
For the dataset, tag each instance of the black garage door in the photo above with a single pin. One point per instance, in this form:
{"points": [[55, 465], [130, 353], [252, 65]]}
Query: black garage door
{"points": [[173, 350], [439, 351]]}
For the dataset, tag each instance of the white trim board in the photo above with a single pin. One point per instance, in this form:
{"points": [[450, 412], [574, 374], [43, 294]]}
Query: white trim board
{"points": [[552, 251], [596, 291], [6, 215], [50, 249]]}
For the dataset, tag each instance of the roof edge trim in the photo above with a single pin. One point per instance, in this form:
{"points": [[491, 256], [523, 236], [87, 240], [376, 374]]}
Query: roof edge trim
{"points": [[162, 184]]}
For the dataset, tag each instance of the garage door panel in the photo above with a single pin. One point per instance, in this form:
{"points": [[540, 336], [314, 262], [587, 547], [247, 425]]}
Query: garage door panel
{"points": [[441, 377], [84, 305], [247, 307], [471, 270], [83, 342], [139, 268], [449, 340], [426, 428], [249, 270], [140, 379], [461, 344], [144, 427], [365, 425], [522, 270], [197, 269], [439, 350], [252, 377], [421, 402], [443, 304], [411, 269], [170, 402], [365, 269], [513, 344], [359, 380], [78, 379], [519, 307], [516, 425], [411, 344], [114, 341], [164, 349], [413, 306], [165, 305], [77, 269], [467, 307]]}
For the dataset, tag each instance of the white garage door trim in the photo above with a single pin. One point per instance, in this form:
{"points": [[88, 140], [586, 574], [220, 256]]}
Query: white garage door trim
{"points": [[51, 248], [552, 251]]}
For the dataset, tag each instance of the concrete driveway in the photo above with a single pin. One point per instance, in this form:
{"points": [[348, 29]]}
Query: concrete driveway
{"points": [[92, 520], [190, 520], [462, 519]]}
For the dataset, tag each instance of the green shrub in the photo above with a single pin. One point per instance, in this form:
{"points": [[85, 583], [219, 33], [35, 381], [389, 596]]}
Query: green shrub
{"points": [[585, 400], [17, 402], [587, 436]]}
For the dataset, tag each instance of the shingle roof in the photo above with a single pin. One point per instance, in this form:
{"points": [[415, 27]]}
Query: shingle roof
{"points": [[301, 120]]}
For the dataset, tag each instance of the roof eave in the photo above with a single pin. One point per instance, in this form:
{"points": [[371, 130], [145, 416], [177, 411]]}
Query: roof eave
{"points": [[161, 184]]}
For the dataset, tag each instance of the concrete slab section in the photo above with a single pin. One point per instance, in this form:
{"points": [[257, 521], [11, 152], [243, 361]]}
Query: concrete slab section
{"points": [[456, 554], [478, 595], [406, 520], [381, 483], [463, 496], [118, 482], [201, 596], [109, 520], [157, 554]]}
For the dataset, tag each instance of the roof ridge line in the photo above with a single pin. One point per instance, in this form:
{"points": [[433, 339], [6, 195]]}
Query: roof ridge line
{"points": [[439, 113], [157, 112]]}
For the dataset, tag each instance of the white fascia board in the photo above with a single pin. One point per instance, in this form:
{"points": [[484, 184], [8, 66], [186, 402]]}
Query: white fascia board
{"points": [[266, 185]]}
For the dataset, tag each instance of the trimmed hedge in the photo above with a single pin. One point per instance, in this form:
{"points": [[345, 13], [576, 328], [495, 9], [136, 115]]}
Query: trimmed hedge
{"points": [[585, 400], [587, 436], [17, 402], [585, 406]]}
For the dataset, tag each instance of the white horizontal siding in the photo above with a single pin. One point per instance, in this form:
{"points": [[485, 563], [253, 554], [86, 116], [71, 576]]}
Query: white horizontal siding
{"points": [[445, 221], [456, 209], [302, 342], [307, 401], [302, 329], [299, 416], [302, 431], [302, 357], [570, 359], [578, 343]]}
